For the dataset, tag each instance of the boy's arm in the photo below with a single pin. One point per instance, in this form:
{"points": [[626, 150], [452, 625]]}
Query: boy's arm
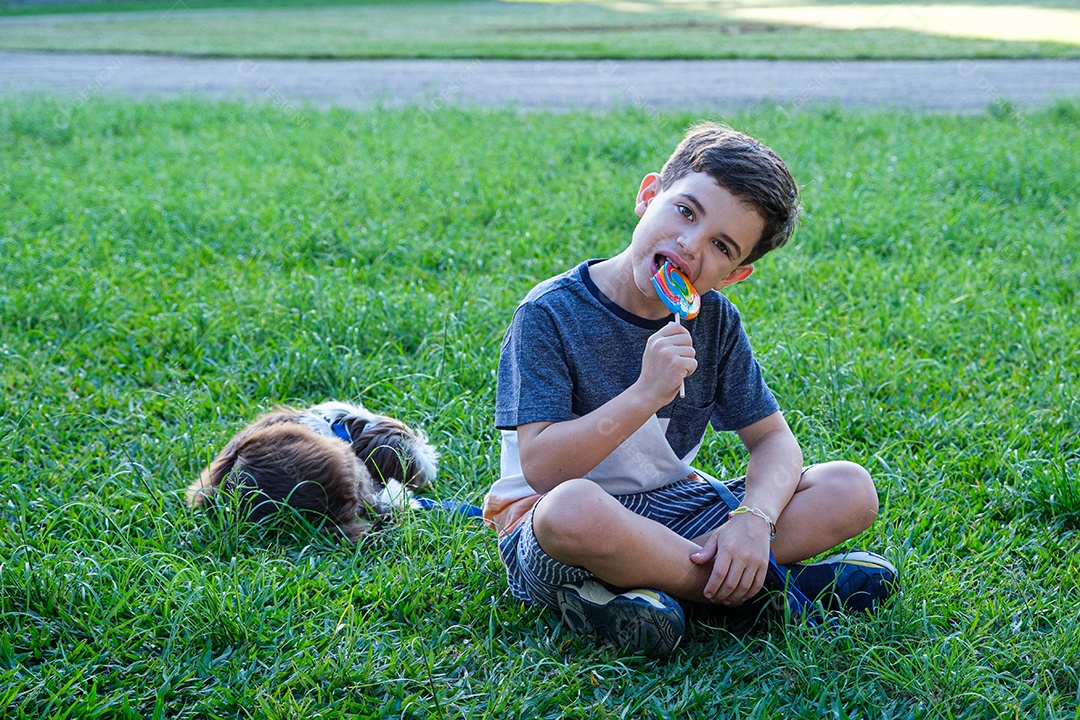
{"points": [[739, 549], [772, 474], [553, 452]]}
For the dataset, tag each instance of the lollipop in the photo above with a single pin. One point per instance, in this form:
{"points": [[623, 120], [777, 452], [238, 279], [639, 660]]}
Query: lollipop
{"points": [[676, 292], [678, 295]]}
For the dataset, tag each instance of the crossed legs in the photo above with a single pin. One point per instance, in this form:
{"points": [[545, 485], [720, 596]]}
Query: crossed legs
{"points": [[579, 524]]}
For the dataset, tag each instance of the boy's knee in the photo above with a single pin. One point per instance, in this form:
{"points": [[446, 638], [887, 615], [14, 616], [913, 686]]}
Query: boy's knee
{"points": [[856, 484], [569, 517], [851, 494]]}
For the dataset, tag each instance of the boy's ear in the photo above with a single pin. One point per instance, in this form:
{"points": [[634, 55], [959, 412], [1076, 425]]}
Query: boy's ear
{"points": [[737, 275], [650, 186]]}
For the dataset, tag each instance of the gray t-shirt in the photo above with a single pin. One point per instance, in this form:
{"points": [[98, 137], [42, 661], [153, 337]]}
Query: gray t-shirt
{"points": [[569, 349]]}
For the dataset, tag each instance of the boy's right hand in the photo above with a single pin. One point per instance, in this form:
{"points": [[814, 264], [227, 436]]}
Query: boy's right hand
{"points": [[554, 452], [668, 360]]}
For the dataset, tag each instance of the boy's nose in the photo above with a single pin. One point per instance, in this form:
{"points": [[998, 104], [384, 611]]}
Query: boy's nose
{"points": [[690, 244]]}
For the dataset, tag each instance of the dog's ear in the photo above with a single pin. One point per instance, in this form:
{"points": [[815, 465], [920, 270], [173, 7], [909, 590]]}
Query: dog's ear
{"points": [[201, 492], [390, 450], [379, 447], [356, 425], [289, 463], [424, 465]]}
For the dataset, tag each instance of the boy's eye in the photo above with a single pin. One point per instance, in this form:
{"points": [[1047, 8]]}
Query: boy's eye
{"points": [[685, 212]]}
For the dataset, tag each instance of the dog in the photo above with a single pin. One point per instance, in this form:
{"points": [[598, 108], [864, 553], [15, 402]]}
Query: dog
{"points": [[339, 465]]}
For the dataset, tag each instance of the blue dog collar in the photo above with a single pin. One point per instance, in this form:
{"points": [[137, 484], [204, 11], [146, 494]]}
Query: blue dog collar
{"points": [[453, 506], [341, 431]]}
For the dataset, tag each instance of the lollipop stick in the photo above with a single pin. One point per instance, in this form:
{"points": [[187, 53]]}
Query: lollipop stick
{"points": [[682, 385], [678, 295]]}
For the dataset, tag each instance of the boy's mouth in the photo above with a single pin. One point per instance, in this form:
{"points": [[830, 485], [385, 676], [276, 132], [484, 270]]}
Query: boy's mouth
{"points": [[659, 260]]}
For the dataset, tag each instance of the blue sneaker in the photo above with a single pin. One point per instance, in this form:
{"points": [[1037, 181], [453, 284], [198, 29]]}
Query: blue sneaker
{"points": [[640, 620], [856, 580]]}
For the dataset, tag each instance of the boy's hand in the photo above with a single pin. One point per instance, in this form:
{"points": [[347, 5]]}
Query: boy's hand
{"points": [[668, 360], [739, 552]]}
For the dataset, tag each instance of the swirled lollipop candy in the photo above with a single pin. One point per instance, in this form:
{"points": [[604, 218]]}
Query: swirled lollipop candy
{"points": [[676, 292], [678, 295]]}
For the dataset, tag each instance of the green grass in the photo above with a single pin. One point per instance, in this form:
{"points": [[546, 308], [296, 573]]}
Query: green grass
{"points": [[63, 7], [168, 270], [607, 29]]}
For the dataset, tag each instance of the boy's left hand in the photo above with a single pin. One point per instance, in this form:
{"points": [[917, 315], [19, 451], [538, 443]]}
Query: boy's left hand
{"points": [[739, 551]]}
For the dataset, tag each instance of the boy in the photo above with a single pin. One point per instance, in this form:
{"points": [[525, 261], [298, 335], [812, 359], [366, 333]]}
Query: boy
{"points": [[597, 493]]}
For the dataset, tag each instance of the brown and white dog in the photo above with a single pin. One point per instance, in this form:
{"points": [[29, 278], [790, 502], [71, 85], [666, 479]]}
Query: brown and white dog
{"points": [[335, 463]]}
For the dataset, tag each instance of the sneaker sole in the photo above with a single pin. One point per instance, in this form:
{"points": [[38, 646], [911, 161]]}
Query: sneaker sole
{"points": [[862, 558], [591, 609]]}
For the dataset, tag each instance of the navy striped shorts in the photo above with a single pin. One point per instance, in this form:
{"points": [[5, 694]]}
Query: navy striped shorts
{"points": [[688, 507]]}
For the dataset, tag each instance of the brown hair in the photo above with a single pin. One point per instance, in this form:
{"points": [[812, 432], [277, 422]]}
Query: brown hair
{"points": [[282, 462], [748, 170], [386, 449]]}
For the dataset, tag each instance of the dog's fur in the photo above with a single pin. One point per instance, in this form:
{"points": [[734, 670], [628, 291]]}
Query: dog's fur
{"points": [[294, 457]]}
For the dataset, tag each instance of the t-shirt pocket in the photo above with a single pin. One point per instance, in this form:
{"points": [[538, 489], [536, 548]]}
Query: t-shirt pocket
{"points": [[686, 427]]}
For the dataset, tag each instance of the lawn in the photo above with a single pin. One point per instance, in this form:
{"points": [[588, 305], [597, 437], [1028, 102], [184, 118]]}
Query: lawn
{"points": [[510, 29], [167, 270]]}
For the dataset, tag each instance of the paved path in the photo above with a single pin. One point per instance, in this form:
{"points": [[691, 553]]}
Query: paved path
{"points": [[714, 86]]}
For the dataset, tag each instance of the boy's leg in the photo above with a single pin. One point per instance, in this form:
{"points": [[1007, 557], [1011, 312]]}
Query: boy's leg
{"points": [[580, 527], [833, 503], [579, 524], [641, 620]]}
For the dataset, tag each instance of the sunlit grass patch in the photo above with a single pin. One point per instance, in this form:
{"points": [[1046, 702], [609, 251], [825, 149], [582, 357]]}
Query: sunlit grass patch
{"points": [[495, 29], [1010, 23]]}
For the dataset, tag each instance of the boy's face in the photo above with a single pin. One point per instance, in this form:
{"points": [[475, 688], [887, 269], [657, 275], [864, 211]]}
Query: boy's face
{"points": [[699, 226]]}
